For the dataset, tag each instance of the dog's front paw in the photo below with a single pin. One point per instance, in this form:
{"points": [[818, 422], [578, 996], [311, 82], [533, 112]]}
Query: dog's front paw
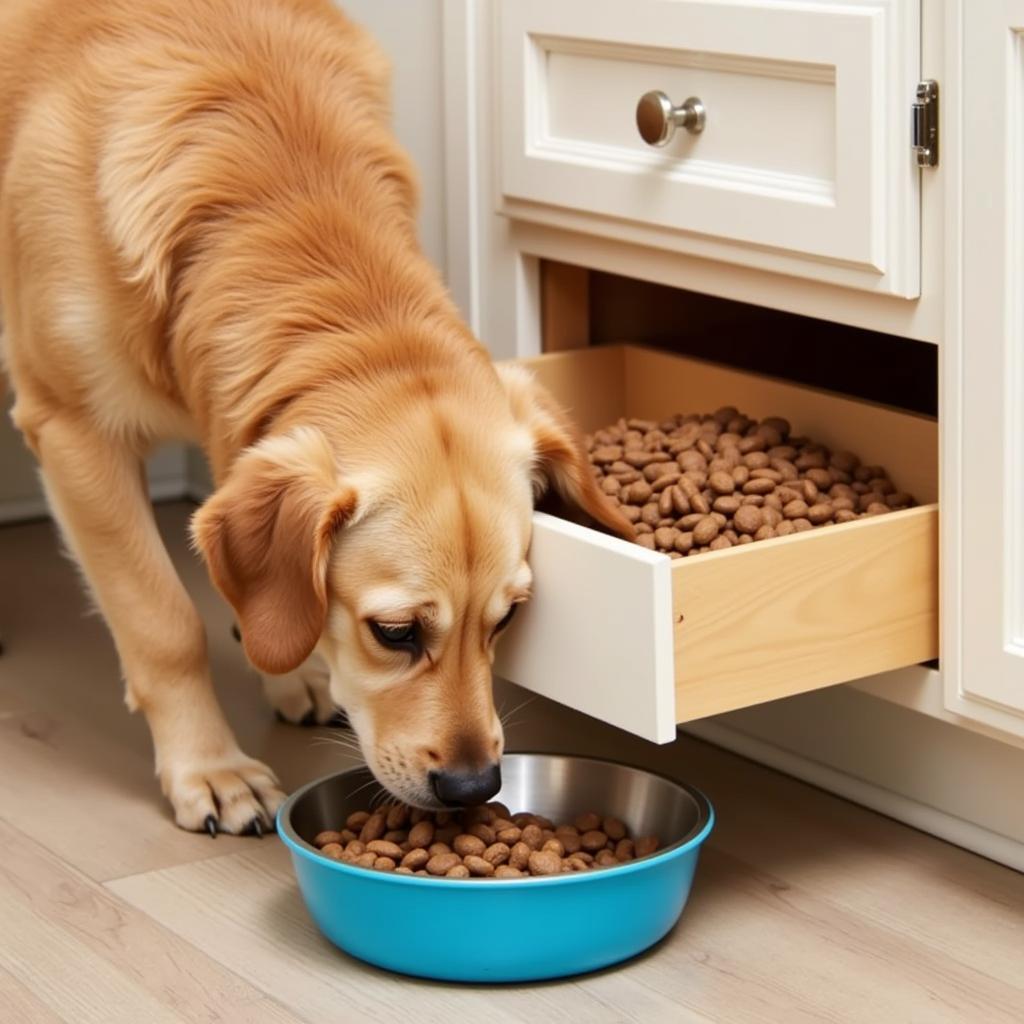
{"points": [[301, 697], [232, 793]]}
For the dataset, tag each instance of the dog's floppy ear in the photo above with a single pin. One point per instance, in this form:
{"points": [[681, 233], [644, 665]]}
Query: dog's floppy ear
{"points": [[266, 537], [560, 461]]}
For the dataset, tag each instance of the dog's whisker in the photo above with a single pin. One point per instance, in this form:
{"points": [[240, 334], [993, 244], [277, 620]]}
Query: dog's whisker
{"points": [[510, 730], [365, 785], [347, 743], [344, 740], [334, 742], [379, 798], [505, 719], [353, 755], [522, 704]]}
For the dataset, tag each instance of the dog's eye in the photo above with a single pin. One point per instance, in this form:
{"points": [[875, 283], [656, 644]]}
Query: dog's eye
{"points": [[398, 636], [506, 619]]}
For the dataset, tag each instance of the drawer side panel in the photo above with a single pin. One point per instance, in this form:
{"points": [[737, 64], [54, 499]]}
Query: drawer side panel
{"points": [[781, 617], [590, 383]]}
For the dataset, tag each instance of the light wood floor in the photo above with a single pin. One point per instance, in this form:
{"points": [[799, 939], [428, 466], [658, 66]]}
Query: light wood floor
{"points": [[805, 908]]}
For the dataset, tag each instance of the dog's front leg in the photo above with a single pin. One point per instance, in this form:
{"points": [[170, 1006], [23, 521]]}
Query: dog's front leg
{"points": [[97, 491]]}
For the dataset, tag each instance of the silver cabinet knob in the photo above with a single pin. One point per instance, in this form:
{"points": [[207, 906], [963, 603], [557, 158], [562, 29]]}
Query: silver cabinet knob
{"points": [[657, 119]]}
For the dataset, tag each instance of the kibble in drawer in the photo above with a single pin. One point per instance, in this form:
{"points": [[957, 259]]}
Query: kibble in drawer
{"points": [[698, 483]]}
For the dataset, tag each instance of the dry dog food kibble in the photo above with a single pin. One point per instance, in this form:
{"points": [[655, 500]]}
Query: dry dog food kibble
{"points": [[480, 842], [703, 483]]}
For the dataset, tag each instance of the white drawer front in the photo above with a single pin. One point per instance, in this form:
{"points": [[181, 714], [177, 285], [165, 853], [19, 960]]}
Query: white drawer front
{"points": [[597, 633], [804, 165]]}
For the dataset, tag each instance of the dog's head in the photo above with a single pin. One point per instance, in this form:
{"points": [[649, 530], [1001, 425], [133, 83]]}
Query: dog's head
{"points": [[400, 567]]}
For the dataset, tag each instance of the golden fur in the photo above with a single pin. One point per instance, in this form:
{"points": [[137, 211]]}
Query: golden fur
{"points": [[207, 231]]}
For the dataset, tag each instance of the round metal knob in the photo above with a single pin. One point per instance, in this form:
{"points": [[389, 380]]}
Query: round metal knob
{"points": [[657, 119]]}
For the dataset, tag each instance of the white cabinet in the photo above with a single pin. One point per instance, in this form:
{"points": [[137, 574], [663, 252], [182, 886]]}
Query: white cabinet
{"points": [[803, 166], [983, 410], [800, 194], [805, 101]]}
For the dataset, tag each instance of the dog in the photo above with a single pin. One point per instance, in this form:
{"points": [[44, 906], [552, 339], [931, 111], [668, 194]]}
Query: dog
{"points": [[208, 233]]}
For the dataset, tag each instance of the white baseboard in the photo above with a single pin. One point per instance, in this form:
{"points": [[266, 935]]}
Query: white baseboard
{"points": [[168, 490], [958, 831], [17, 510], [919, 688]]}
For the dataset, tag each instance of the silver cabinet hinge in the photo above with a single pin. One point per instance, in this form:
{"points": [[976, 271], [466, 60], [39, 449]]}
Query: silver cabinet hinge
{"points": [[924, 124]]}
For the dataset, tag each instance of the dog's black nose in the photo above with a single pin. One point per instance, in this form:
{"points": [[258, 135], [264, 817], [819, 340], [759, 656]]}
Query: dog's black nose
{"points": [[465, 789]]}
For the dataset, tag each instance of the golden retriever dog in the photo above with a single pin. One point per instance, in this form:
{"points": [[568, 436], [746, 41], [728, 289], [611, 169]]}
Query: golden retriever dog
{"points": [[207, 232]]}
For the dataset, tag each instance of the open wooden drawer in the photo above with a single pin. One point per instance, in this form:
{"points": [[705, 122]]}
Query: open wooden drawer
{"points": [[644, 642]]}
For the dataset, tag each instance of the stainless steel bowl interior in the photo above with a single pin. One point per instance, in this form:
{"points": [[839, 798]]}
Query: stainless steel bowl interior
{"points": [[555, 785]]}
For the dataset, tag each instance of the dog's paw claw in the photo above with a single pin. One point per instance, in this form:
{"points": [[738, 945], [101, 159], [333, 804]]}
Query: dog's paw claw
{"points": [[300, 698], [223, 794], [256, 828], [339, 720]]}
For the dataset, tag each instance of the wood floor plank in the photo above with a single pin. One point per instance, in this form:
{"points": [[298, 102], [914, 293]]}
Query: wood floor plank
{"points": [[245, 911], [783, 946], [763, 948], [941, 899], [21, 1004], [73, 951]]}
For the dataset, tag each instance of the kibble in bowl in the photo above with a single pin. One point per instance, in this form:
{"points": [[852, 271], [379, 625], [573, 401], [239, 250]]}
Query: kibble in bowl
{"points": [[488, 841], [473, 926]]}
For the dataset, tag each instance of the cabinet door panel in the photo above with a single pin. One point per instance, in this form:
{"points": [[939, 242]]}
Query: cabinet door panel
{"points": [[986, 675]]}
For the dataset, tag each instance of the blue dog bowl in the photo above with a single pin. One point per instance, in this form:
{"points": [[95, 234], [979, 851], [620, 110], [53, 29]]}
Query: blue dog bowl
{"points": [[487, 930]]}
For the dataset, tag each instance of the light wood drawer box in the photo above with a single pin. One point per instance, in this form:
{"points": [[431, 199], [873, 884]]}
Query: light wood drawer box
{"points": [[645, 642], [804, 166]]}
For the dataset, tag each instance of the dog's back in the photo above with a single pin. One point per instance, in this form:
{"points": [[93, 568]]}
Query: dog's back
{"points": [[44, 43], [144, 142]]}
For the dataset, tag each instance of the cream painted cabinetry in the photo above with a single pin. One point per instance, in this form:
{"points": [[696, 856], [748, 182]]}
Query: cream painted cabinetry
{"points": [[801, 193], [984, 378]]}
